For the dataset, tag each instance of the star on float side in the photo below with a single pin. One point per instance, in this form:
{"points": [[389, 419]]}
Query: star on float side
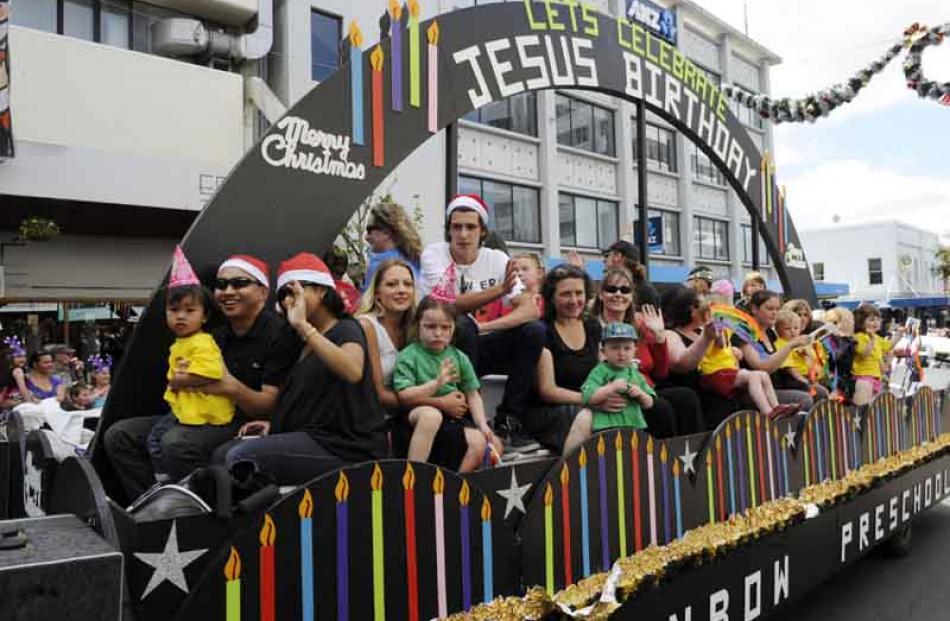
{"points": [[514, 495], [688, 457], [790, 436], [169, 564]]}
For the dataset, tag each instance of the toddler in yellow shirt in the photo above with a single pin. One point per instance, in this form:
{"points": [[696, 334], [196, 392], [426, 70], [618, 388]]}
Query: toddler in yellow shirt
{"points": [[802, 367], [871, 353]]}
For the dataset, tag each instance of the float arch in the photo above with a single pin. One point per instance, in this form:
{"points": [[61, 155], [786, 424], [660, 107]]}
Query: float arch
{"points": [[301, 183]]}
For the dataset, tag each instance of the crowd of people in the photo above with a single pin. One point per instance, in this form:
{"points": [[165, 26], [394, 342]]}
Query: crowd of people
{"points": [[310, 387]]}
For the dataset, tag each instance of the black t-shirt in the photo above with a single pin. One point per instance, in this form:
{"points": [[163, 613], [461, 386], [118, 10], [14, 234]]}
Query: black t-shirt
{"points": [[344, 418], [264, 355], [571, 366]]}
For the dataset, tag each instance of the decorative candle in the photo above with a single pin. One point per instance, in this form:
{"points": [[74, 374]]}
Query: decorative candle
{"points": [[438, 489], [842, 440], [676, 498], [266, 537], [465, 532], [710, 492], [432, 90], [412, 564], [888, 445], [566, 525], [379, 572], [621, 502], [732, 485], [770, 434], [305, 511], [635, 499], [832, 443], [488, 569], [549, 539], [356, 82], [761, 458], [602, 479], [667, 505], [806, 449], [342, 494], [749, 451], [741, 466], [785, 485], [819, 452], [763, 176], [379, 141], [232, 586], [651, 491], [585, 514], [720, 483], [396, 49], [415, 97]]}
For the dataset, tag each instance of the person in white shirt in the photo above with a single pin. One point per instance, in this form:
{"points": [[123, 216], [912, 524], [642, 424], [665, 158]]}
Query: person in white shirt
{"points": [[485, 288]]}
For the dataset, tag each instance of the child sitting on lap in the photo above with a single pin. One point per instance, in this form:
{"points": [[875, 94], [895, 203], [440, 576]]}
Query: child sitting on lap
{"points": [[618, 374], [433, 367], [800, 370]]}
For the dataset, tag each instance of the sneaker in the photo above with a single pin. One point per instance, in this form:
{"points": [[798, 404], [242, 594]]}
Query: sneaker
{"points": [[522, 443], [515, 438]]}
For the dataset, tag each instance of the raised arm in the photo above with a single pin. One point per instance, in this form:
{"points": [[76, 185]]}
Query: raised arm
{"points": [[770, 363], [685, 359]]}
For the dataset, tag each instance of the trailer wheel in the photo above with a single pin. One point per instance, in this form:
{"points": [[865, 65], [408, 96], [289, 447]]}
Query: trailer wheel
{"points": [[899, 543]]}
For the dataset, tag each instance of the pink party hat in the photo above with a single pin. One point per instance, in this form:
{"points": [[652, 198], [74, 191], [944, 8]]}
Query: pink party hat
{"points": [[445, 290], [182, 275]]}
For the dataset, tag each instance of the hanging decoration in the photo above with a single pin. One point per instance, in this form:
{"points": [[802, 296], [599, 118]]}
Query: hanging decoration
{"points": [[818, 105]]}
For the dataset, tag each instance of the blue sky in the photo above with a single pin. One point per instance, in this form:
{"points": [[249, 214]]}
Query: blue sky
{"points": [[884, 156]]}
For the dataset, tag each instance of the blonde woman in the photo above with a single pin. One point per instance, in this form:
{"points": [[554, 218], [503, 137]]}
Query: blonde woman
{"points": [[391, 235]]}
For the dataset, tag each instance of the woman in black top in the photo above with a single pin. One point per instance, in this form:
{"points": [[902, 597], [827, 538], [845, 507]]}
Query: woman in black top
{"points": [[328, 414]]}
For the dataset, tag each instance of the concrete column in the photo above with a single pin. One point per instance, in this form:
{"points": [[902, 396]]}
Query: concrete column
{"points": [[683, 185], [625, 131], [734, 206], [548, 174]]}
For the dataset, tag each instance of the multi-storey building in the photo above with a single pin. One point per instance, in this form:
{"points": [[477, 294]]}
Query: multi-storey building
{"points": [[121, 146]]}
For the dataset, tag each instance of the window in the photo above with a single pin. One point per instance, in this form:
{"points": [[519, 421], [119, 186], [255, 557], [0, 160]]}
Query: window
{"points": [[703, 168], [518, 113], [584, 126], [711, 238], [747, 246], [875, 274], [78, 19], [515, 209], [38, 14], [669, 237], [818, 271], [325, 35], [102, 21], [587, 222], [661, 147]]}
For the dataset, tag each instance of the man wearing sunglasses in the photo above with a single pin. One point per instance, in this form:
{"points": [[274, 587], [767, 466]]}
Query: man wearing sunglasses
{"points": [[258, 349]]}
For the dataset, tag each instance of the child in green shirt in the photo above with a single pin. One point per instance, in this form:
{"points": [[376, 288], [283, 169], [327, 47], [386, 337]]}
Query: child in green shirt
{"points": [[618, 373]]}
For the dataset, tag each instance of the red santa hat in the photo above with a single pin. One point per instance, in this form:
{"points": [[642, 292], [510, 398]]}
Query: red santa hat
{"points": [[182, 273], [305, 267], [252, 265], [471, 202]]}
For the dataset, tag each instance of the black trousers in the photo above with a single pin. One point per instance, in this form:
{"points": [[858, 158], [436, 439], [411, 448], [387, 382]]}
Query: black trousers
{"points": [[514, 353]]}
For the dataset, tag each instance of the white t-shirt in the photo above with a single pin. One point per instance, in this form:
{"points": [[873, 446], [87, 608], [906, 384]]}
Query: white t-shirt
{"points": [[387, 350], [487, 271]]}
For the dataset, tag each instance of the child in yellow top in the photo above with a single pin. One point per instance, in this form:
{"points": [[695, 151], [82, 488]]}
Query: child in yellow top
{"points": [[720, 373], [871, 353], [803, 365]]}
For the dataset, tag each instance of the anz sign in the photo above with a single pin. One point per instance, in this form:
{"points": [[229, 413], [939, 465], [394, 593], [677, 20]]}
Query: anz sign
{"points": [[658, 19]]}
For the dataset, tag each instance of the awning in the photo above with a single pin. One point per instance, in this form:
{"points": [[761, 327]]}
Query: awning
{"points": [[92, 313], [30, 307], [658, 273], [930, 302]]}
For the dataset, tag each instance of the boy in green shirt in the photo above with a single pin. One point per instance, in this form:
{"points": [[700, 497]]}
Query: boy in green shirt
{"points": [[618, 374]]}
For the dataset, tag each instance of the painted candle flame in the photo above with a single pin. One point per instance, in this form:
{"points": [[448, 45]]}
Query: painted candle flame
{"points": [[268, 531], [676, 467], [758, 423], [438, 483], [232, 569], [464, 494], [618, 442], [376, 58], [663, 453], [601, 447], [356, 35], [548, 495], [395, 9], [342, 491], [486, 509], [376, 481], [718, 443], [414, 8], [650, 445], [305, 508], [708, 458], [582, 458], [565, 475], [634, 440], [728, 431], [432, 33], [409, 478]]}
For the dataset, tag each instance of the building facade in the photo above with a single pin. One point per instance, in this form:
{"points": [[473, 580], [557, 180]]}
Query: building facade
{"points": [[884, 262], [121, 146]]}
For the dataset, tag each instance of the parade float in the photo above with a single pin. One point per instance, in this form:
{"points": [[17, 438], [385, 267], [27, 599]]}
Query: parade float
{"points": [[735, 522]]}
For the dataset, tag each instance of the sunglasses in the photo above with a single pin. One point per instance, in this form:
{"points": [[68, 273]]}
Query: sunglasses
{"points": [[618, 289], [221, 284]]}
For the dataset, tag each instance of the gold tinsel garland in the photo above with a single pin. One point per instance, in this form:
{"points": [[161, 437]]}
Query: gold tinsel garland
{"points": [[596, 596]]}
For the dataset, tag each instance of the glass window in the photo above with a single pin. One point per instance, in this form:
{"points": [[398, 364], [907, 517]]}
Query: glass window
{"points": [[747, 246], [661, 147], [38, 14], [587, 222], [114, 25], [584, 126], [517, 113], [711, 238], [325, 35], [703, 168], [515, 210], [818, 270], [670, 231], [78, 19], [875, 275]]}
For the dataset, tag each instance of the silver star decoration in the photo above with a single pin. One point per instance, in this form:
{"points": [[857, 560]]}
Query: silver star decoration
{"points": [[169, 564], [688, 457], [514, 495], [856, 421], [790, 436]]}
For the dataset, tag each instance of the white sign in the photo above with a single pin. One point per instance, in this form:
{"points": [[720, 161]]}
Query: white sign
{"points": [[302, 147], [795, 257]]}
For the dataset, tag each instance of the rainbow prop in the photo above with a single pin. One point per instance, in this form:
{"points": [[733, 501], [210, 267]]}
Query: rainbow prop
{"points": [[740, 323], [585, 512]]}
